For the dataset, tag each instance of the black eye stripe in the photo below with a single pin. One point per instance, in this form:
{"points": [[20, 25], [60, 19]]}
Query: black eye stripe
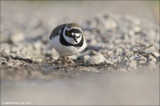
{"points": [[72, 30], [66, 33]]}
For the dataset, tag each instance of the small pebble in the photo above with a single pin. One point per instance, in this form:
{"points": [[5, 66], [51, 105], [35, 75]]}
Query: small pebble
{"points": [[97, 59]]}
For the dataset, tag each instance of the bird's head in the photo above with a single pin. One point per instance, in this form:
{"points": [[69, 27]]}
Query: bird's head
{"points": [[72, 33]]}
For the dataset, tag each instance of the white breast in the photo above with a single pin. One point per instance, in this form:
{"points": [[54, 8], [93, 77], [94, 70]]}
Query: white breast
{"points": [[66, 50]]}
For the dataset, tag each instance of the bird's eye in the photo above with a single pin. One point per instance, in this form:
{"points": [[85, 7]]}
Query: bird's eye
{"points": [[68, 33]]}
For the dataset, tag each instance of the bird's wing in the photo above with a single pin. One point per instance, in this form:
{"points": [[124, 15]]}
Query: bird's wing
{"points": [[56, 31], [84, 36]]}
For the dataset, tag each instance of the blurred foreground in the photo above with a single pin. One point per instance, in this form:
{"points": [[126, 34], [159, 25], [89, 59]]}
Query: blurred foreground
{"points": [[126, 41], [90, 89]]}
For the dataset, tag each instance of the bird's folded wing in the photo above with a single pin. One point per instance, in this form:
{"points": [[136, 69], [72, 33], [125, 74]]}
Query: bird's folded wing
{"points": [[56, 31]]}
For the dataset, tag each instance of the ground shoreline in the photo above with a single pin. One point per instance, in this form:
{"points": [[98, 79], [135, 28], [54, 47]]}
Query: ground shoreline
{"points": [[115, 43]]}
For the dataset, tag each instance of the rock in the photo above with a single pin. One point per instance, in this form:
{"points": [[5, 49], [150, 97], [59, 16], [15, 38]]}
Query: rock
{"points": [[91, 24], [137, 29], [110, 24], [38, 60], [44, 40], [97, 59], [122, 70], [152, 66], [151, 58], [131, 33], [54, 54], [138, 58], [119, 51], [84, 58], [122, 63], [73, 57], [133, 65], [128, 52], [37, 45], [17, 37], [110, 62], [5, 37], [155, 54], [158, 59], [89, 69], [6, 51]]}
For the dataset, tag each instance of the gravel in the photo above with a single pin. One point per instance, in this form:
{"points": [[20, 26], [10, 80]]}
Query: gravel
{"points": [[97, 59], [119, 43]]}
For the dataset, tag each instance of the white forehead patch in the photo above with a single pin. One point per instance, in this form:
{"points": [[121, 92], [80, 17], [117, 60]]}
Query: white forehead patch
{"points": [[77, 34]]}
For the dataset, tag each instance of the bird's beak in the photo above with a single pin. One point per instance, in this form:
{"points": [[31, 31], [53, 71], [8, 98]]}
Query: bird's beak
{"points": [[75, 39]]}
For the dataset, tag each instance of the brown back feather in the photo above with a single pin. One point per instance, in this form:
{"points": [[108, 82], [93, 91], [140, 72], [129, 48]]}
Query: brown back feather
{"points": [[71, 25], [56, 31]]}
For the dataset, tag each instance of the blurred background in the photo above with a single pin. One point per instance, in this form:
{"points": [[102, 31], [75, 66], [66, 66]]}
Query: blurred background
{"points": [[88, 89], [17, 16]]}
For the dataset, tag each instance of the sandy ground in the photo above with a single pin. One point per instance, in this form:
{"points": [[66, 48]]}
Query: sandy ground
{"points": [[73, 85]]}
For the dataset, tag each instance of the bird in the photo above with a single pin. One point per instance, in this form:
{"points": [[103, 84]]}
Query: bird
{"points": [[68, 39]]}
